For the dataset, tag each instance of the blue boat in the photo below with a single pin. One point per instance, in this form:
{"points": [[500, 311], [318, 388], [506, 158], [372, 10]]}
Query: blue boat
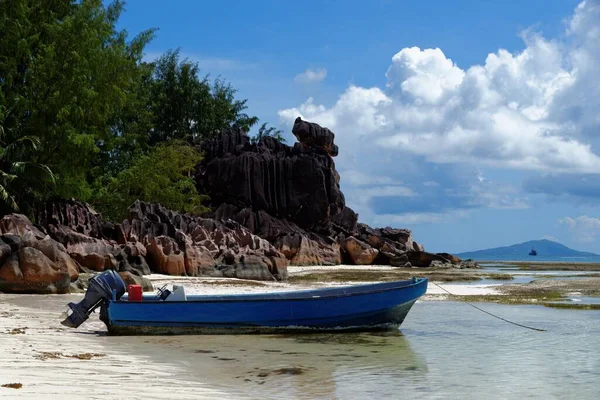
{"points": [[365, 307]]}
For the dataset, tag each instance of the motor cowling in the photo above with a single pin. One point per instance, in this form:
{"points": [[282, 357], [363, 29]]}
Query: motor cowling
{"points": [[100, 289]]}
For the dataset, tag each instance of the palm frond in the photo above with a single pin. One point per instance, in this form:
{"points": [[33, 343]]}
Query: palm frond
{"points": [[20, 147], [8, 199], [6, 178], [38, 172]]}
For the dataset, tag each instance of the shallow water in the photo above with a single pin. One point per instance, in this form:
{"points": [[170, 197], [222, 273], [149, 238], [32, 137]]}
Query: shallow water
{"points": [[445, 350], [580, 300], [518, 271]]}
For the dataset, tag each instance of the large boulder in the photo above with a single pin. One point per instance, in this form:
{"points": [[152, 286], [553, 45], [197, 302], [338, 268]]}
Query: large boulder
{"points": [[31, 262], [359, 252], [399, 239], [132, 258], [165, 257], [311, 134], [300, 249], [424, 259], [19, 224]]}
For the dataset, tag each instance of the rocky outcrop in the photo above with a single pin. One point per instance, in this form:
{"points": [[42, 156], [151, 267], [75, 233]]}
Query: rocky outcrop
{"points": [[290, 196], [359, 252], [88, 240], [298, 184], [32, 262], [155, 239], [179, 244]]}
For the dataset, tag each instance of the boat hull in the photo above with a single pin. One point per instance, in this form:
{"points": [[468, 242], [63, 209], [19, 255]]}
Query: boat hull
{"points": [[380, 306]]}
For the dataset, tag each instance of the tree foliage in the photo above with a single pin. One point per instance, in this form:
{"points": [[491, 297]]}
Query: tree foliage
{"points": [[271, 131], [22, 182], [164, 175], [67, 75], [187, 107], [81, 111]]}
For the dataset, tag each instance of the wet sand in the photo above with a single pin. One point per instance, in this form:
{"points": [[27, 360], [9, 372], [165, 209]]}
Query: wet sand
{"points": [[51, 361]]}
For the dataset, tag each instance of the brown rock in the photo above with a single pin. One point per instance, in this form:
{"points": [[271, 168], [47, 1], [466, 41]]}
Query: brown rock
{"points": [[198, 260], [396, 259], [40, 274], [360, 252], [375, 241], [132, 279], [10, 271], [301, 250], [64, 261], [5, 251], [278, 268], [164, 256], [424, 259], [450, 257], [95, 254], [18, 224], [46, 245], [204, 245]]}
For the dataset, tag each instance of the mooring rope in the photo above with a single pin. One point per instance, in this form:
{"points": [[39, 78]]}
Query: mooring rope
{"points": [[493, 315]]}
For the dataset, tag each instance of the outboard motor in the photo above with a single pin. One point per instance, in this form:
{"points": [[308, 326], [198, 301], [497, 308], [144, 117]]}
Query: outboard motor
{"points": [[101, 289]]}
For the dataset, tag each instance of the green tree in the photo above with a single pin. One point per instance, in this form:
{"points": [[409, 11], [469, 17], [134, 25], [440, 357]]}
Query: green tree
{"points": [[271, 131], [70, 78], [187, 107], [22, 182], [164, 175]]}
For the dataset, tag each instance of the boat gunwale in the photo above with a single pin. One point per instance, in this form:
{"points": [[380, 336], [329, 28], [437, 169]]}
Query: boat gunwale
{"points": [[299, 295]]}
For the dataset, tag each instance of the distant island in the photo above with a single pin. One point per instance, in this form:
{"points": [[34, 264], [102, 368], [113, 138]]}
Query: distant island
{"points": [[544, 249]]}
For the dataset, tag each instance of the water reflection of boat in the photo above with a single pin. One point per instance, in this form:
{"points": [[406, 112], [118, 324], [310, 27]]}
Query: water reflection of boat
{"points": [[299, 366], [533, 252]]}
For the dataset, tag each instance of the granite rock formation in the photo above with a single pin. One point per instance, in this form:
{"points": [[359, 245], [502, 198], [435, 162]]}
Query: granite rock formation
{"points": [[290, 196], [154, 239]]}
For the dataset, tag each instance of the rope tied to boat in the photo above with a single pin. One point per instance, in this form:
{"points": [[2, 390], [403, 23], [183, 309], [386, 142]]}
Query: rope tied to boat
{"points": [[493, 315]]}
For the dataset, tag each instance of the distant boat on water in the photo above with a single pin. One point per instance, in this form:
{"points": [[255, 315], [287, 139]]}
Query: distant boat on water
{"points": [[533, 252]]}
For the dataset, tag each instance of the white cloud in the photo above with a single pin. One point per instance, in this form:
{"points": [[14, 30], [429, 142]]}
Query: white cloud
{"points": [[534, 110], [311, 76], [501, 113], [584, 229]]}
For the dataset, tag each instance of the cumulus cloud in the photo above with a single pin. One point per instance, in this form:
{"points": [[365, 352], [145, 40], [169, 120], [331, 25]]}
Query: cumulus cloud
{"points": [[584, 229], [534, 110], [311, 76]]}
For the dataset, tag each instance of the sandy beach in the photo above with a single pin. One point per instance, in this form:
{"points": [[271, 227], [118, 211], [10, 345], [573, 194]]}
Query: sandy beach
{"points": [[49, 361], [42, 359]]}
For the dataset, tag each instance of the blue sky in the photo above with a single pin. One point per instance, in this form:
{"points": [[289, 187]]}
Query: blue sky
{"points": [[473, 123]]}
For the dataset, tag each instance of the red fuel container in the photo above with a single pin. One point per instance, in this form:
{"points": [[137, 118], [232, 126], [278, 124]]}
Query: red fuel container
{"points": [[134, 293]]}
